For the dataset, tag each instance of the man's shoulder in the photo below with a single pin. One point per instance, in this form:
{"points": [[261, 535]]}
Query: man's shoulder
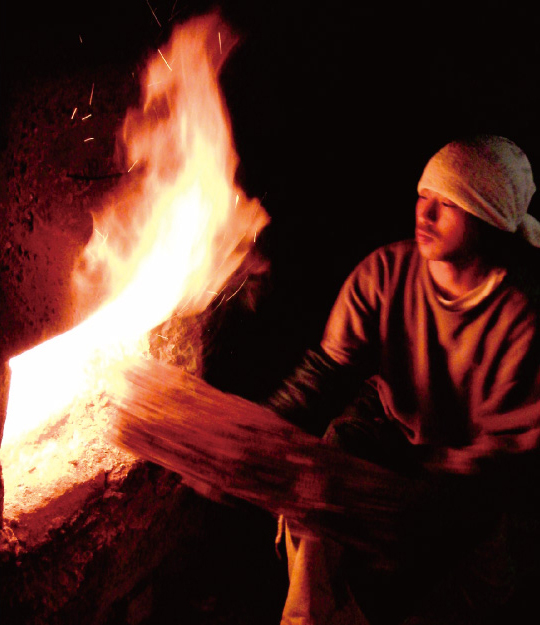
{"points": [[385, 266], [396, 255]]}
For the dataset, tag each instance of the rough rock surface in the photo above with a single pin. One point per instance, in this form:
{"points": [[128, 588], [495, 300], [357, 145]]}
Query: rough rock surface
{"points": [[142, 549], [56, 169]]}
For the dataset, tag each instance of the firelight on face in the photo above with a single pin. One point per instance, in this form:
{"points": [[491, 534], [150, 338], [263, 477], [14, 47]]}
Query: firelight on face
{"points": [[444, 231]]}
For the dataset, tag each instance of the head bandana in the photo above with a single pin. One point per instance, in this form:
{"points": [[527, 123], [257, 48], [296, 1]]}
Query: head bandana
{"points": [[489, 177]]}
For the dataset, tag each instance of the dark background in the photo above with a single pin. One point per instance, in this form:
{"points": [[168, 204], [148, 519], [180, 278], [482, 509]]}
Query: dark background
{"points": [[335, 107]]}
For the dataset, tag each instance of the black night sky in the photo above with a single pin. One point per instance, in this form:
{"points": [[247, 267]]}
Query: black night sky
{"points": [[335, 109]]}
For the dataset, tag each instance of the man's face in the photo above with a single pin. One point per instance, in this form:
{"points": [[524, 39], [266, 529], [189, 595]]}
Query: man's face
{"points": [[444, 231]]}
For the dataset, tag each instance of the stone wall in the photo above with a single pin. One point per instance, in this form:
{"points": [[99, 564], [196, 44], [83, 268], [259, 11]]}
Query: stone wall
{"points": [[143, 549]]}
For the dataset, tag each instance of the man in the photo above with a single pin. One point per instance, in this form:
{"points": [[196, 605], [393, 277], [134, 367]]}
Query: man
{"points": [[445, 330]]}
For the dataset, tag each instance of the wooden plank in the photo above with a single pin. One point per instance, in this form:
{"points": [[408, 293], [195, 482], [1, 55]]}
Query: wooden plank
{"points": [[222, 443]]}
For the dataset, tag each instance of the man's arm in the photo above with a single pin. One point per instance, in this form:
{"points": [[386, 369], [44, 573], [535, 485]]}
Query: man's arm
{"points": [[328, 377], [508, 421], [316, 392]]}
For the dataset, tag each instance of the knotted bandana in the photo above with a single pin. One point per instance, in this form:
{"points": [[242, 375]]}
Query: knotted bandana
{"points": [[489, 177]]}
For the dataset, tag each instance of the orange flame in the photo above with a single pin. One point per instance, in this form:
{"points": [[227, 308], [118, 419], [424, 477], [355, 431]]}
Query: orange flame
{"points": [[173, 240]]}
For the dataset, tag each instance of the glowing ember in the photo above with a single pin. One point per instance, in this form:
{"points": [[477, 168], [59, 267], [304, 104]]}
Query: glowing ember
{"points": [[172, 242]]}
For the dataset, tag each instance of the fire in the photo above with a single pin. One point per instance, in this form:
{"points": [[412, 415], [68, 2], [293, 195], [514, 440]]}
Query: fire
{"points": [[170, 240]]}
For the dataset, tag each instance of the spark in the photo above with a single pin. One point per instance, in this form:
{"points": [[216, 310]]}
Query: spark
{"points": [[103, 236], [213, 292], [133, 165], [91, 95], [238, 289], [164, 59], [219, 37], [86, 116], [237, 198], [80, 38], [220, 302], [89, 139], [257, 212], [73, 114], [162, 337], [155, 16], [184, 307]]}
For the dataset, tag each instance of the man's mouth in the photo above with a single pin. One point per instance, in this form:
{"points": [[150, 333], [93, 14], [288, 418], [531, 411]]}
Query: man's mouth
{"points": [[425, 235]]}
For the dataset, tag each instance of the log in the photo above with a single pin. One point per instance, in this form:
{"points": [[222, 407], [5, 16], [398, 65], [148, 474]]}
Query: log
{"points": [[223, 444]]}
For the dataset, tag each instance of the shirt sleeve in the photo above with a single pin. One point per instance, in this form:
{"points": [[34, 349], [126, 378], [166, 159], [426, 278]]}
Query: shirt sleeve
{"points": [[351, 335], [328, 376], [315, 392], [510, 417]]}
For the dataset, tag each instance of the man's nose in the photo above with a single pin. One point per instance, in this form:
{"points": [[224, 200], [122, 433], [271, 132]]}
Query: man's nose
{"points": [[428, 210]]}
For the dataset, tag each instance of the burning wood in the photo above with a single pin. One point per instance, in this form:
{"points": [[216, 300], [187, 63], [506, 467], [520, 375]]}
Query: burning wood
{"points": [[165, 241], [181, 208]]}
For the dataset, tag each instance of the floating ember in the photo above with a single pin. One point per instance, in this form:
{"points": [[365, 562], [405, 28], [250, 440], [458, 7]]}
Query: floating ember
{"points": [[166, 242]]}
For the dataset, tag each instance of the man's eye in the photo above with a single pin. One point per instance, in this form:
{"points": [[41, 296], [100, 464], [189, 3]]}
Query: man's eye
{"points": [[449, 204]]}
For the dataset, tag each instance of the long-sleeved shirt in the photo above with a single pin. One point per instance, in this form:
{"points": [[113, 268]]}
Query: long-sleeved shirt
{"points": [[462, 377]]}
